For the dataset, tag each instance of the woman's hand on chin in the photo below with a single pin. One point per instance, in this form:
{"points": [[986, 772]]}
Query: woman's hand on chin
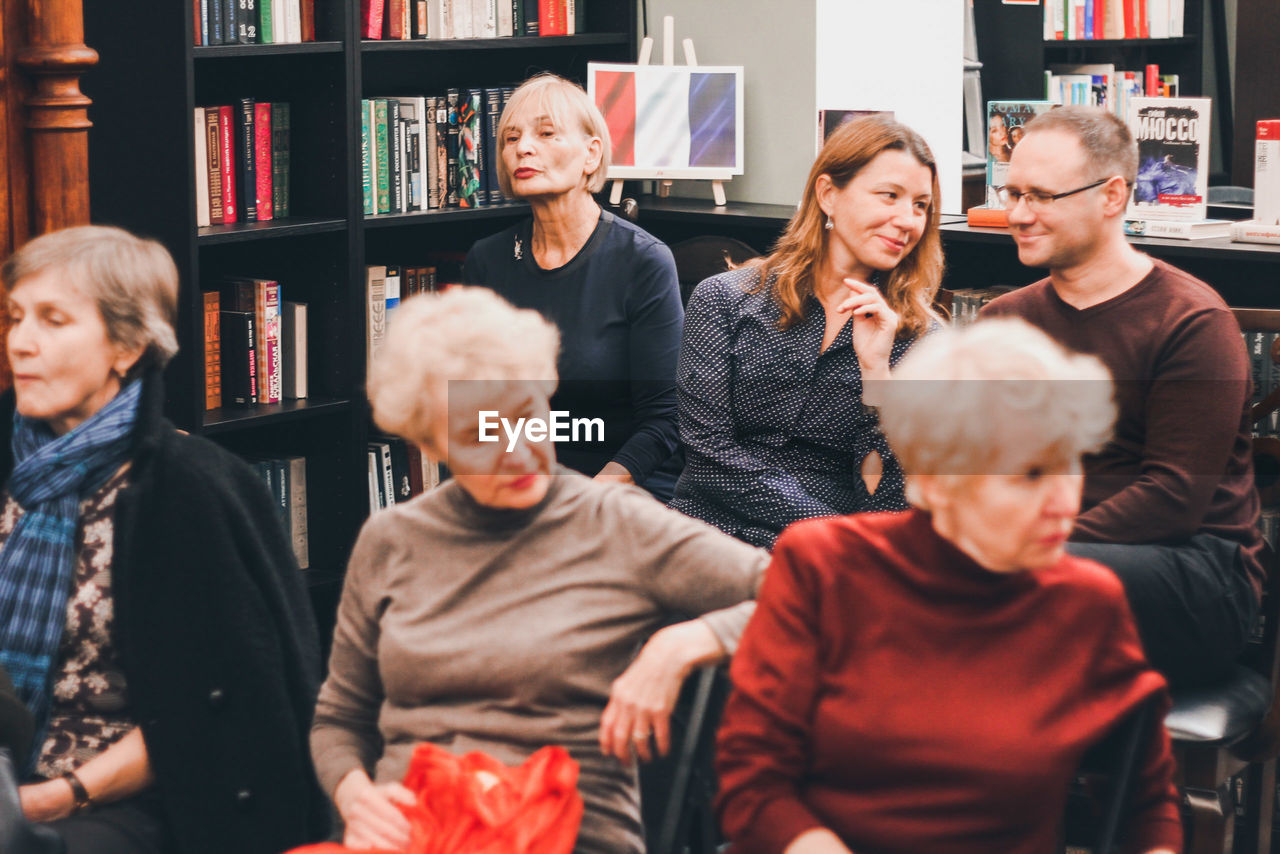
{"points": [[47, 801], [875, 326], [638, 716], [371, 814]]}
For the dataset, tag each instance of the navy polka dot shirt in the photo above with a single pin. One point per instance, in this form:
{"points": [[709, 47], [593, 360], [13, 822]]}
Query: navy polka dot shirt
{"points": [[773, 426]]}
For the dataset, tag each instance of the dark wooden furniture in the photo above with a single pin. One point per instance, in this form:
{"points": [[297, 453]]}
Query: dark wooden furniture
{"points": [[147, 84]]}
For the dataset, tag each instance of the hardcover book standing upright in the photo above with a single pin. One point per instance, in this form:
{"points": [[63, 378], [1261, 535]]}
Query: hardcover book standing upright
{"points": [[1173, 157]]}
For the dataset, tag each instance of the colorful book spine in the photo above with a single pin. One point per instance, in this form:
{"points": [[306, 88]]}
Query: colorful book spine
{"points": [[1266, 173], [213, 148], [262, 161], [307, 19], [227, 161], [395, 158], [395, 19], [371, 18], [212, 351], [266, 24], [552, 18], [280, 120], [469, 149], [452, 98], [492, 114], [382, 161], [366, 165]]}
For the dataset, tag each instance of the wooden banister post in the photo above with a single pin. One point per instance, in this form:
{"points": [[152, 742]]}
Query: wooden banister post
{"points": [[54, 58]]}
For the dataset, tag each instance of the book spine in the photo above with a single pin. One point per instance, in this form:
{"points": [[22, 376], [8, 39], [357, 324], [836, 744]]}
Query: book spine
{"points": [[213, 150], [1087, 31], [1254, 232], [469, 153], [296, 476], [280, 120], [492, 114], [395, 165], [227, 161], [239, 379], [395, 19], [200, 167], [451, 148], [269, 375], [431, 171], [505, 19], [247, 23], [375, 491], [371, 19], [381, 162], [199, 35], [216, 29], [551, 18], [293, 343], [266, 23], [292, 21], [531, 23], [212, 351], [413, 155], [1266, 173], [248, 159], [1144, 20], [517, 17], [307, 19], [366, 165], [579, 17], [388, 474], [375, 311], [262, 163]]}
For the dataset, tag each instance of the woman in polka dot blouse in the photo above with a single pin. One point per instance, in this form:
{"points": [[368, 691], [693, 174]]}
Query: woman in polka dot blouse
{"points": [[780, 360]]}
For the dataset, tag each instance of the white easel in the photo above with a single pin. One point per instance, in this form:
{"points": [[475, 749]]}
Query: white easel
{"points": [[668, 58]]}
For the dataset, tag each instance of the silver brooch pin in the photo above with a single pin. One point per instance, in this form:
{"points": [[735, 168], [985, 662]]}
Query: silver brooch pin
{"points": [[519, 251]]}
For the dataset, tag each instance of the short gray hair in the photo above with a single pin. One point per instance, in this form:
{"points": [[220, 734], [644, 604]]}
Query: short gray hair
{"points": [[988, 398], [462, 333], [569, 107], [133, 281], [1105, 138]]}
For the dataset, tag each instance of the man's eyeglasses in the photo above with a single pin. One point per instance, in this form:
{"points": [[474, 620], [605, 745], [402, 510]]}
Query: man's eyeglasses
{"points": [[1038, 201]]}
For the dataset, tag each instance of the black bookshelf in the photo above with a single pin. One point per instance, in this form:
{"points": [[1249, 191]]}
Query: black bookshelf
{"points": [[150, 78]]}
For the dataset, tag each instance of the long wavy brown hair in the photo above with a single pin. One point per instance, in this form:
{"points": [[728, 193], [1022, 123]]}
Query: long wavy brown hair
{"points": [[910, 287]]}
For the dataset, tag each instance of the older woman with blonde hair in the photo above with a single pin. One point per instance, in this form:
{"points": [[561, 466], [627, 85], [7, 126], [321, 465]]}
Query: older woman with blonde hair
{"points": [[502, 611], [775, 420], [609, 286], [929, 680], [152, 618]]}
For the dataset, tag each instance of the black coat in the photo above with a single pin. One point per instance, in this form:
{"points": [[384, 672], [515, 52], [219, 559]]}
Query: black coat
{"points": [[216, 639]]}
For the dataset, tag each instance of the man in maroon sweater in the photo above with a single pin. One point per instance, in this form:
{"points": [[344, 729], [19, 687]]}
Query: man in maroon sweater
{"points": [[1169, 503]]}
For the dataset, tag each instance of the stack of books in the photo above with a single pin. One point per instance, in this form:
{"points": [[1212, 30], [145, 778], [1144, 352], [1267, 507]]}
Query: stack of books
{"points": [[398, 471], [255, 344], [286, 478], [470, 19]]}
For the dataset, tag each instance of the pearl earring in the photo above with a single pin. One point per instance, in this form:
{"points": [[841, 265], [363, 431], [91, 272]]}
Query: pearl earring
{"points": [[830, 224]]}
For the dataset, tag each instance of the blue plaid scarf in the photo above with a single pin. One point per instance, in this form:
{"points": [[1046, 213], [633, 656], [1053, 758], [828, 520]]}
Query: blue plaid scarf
{"points": [[51, 476]]}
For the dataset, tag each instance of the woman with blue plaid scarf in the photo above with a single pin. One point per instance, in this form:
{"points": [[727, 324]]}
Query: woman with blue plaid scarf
{"points": [[112, 662]]}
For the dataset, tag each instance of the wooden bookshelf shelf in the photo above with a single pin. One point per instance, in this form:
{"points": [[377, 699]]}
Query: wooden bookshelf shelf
{"points": [[1148, 43], [243, 231], [509, 43], [447, 214], [256, 415], [226, 51]]}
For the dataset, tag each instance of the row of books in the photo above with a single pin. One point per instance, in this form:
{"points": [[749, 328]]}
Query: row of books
{"points": [[398, 471], [384, 287], [1172, 135], [254, 21], [255, 344], [470, 19], [242, 162], [286, 478], [1101, 85], [1113, 19], [422, 153]]}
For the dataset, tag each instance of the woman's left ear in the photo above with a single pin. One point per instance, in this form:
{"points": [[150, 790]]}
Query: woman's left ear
{"points": [[595, 151]]}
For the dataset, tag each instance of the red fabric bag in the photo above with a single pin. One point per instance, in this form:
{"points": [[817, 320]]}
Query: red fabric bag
{"points": [[474, 804]]}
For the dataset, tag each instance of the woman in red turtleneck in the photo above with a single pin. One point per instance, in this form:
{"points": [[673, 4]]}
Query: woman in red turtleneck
{"points": [[928, 681]]}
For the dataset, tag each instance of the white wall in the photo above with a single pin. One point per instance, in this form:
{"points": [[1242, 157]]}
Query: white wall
{"points": [[905, 56], [774, 43]]}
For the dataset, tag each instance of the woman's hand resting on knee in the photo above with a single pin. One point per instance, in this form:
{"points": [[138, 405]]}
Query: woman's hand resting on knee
{"points": [[370, 812]]}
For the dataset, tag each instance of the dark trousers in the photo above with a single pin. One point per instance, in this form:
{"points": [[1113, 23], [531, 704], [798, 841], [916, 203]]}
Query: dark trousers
{"points": [[132, 826], [1193, 603]]}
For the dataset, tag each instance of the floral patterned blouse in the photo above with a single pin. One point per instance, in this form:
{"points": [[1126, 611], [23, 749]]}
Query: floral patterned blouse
{"points": [[90, 710]]}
